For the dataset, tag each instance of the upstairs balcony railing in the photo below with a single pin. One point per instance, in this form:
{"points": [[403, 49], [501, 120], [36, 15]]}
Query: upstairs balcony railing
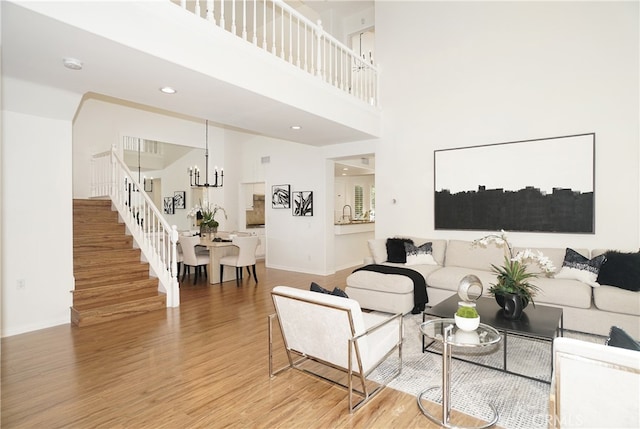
{"points": [[279, 29]]}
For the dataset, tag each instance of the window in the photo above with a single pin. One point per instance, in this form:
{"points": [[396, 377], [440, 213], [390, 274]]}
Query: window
{"points": [[358, 202]]}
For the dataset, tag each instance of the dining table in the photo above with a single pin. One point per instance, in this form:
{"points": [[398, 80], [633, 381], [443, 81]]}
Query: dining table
{"points": [[219, 246]]}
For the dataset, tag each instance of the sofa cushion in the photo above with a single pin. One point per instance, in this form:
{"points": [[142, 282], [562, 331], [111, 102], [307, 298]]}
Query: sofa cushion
{"points": [[621, 270], [396, 251], [579, 267], [565, 292], [417, 255], [616, 300], [449, 278], [371, 280], [463, 254], [424, 269]]}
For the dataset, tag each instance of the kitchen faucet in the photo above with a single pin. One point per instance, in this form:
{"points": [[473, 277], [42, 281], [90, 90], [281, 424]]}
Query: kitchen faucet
{"points": [[350, 217]]}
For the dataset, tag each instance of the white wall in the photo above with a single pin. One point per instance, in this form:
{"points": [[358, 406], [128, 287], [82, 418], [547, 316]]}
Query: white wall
{"points": [[293, 243], [471, 73], [37, 239]]}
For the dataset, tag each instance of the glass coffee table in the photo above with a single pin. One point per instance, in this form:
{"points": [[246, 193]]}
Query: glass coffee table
{"points": [[541, 322], [446, 332]]}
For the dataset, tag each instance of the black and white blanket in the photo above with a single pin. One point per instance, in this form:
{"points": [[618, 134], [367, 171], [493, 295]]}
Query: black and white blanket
{"points": [[420, 297]]}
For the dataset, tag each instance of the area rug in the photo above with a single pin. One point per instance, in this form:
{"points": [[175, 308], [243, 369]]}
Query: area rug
{"points": [[521, 402]]}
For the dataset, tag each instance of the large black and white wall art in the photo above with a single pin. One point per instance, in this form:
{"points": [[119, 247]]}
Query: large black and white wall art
{"points": [[303, 203], [543, 185]]}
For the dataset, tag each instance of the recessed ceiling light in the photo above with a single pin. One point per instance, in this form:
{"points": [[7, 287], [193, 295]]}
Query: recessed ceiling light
{"points": [[168, 90], [345, 168], [72, 63], [296, 127]]}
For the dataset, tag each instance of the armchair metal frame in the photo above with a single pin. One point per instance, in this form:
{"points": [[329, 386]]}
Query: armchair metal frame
{"points": [[354, 368]]}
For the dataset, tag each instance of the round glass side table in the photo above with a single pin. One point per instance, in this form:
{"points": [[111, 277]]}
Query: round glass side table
{"points": [[445, 331]]}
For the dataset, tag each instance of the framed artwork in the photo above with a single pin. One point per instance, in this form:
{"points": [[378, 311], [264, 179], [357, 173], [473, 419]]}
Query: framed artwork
{"points": [[303, 203], [168, 205], [281, 196], [178, 199], [541, 185]]}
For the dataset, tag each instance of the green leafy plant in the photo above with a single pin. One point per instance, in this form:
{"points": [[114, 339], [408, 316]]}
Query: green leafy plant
{"points": [[467, 312], [513, 276]]}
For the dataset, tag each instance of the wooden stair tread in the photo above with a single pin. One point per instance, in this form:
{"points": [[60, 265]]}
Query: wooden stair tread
{"points": [[117, 311], [115, 301], [111, 281]]}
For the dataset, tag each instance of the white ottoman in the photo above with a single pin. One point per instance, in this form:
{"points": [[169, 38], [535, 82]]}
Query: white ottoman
{"points": [[391, 293]]}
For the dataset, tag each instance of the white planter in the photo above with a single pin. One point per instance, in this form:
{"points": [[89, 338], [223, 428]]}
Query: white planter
{"points": [[466, 324]]}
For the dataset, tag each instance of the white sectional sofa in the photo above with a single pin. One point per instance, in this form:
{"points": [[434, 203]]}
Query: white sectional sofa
{"points": [[585, 308]]}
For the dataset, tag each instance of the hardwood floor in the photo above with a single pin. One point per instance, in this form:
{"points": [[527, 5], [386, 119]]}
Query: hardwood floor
{"points": [[201, 365]]}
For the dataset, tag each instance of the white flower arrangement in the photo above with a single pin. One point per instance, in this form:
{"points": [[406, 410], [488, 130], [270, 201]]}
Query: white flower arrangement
{"points": [[513, 276], [522, 257], [207, 212]]}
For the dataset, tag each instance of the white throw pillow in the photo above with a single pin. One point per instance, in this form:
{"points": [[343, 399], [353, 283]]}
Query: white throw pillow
{"points": [[419, 255], [378, 249], [579, 267]]}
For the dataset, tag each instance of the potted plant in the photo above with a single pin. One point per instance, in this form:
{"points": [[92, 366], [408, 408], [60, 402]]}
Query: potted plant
{"points": [[513, 290], [207, 216], [467, 318]]}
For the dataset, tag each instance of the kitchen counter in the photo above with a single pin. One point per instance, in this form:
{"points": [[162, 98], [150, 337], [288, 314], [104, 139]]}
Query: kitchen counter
{"points": [[356, 227]]}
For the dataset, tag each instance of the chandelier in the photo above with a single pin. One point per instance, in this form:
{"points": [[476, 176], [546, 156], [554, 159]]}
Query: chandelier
{"points": [[194, 172]]}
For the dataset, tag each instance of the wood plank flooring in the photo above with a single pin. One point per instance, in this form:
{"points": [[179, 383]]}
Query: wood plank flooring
{"points": [[201, 365]]}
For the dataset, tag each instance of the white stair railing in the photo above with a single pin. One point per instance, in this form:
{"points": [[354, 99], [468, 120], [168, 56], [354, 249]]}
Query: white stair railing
{"points": [[276, 27], [157, 240]]}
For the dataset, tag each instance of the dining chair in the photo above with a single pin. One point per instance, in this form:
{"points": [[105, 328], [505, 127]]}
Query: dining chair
{"points": [[246, 257], [192, 258]]}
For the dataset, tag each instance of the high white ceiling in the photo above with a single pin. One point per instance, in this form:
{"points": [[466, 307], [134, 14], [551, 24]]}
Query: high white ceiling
{"points": [[33, 46]]}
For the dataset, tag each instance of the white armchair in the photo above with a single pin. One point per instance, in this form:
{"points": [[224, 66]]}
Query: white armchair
{"points": [[335, 332], [594, 386]]}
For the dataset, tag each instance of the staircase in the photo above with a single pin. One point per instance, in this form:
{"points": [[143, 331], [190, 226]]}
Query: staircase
{"points": [[110, 280]]}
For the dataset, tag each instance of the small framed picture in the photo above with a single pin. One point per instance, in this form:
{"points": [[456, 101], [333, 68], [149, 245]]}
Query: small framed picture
{"points": [[178, 199], [303, 203], [281, 196], [168, 205]]}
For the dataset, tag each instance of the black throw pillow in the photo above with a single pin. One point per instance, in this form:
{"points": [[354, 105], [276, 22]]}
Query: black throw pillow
{"points": [[339, 292], [621, 270], [315, 287], [619, 338], [396, 251]]}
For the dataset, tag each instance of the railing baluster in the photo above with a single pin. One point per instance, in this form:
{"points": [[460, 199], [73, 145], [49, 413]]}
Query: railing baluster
{"points": [[298, 45], [273, 32], [324, 55], [222, 23], [255, 26], [306, 55], [233, 18], [210, 16], [291, 38], [244, 19], [264, 25], [282, 34], [319, 48]]}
